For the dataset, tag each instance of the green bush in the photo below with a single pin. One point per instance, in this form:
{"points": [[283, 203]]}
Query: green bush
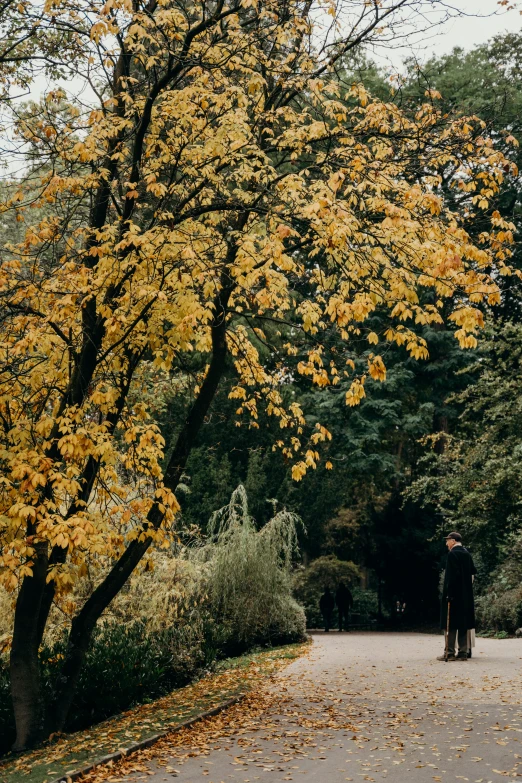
{"points": [[498, 610], [124, 666], [365, 604], [288, 622]]}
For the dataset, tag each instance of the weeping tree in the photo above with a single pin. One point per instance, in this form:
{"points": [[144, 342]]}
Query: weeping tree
{"points": [[250, 584]]}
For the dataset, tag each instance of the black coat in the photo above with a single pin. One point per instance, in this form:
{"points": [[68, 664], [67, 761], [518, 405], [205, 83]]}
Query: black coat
{"points": [[344, 598], [326, 602], [458, 589]]}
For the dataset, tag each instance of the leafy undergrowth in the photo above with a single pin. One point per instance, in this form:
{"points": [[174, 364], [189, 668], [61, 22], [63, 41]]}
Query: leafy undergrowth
{"points": [[232, 677]]}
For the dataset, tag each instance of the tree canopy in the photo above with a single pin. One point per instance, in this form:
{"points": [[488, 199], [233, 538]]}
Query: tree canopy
{"points": [[213, 203]]}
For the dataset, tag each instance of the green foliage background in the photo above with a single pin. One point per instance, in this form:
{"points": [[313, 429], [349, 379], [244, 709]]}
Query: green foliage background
{"points": [[434, 447]]}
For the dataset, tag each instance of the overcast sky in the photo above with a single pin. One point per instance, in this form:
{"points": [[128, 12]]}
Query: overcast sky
{"points": [[482, 20], [477, 26]]}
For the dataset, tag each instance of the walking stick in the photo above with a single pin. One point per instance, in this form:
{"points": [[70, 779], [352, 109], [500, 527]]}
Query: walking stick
{"points": [[447, 634]]}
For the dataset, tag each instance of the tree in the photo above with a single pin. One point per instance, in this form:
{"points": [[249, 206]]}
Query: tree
{"points": [[485, 82], [475, 482], [250, 587], [215, 184]]}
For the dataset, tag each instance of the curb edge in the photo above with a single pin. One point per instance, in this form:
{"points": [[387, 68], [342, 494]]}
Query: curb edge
{"points": [[147, 742]]}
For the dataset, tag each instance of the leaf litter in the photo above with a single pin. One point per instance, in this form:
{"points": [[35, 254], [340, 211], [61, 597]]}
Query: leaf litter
{"points": [[353, 722]]}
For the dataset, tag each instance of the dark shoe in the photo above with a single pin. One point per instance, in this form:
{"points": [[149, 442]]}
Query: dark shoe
{"points": [[463, 657], [469, 653], [444, 658]]}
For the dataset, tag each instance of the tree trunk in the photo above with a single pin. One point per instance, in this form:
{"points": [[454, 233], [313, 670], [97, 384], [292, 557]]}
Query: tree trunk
{"points": [[34, 603], [81, 633], [84, 623], [24, 664]]}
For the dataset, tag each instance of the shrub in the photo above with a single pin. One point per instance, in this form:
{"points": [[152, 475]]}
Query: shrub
{"points": [[167, 591], [500, 610], [125, 663], [365, 603]]}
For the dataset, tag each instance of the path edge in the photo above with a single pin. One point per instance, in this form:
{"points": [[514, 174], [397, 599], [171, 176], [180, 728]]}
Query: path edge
{"points": [[147, 742]]}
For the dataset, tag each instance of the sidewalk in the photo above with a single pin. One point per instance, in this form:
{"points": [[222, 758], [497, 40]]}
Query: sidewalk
{"points": [[141, 725], [358, 707]]}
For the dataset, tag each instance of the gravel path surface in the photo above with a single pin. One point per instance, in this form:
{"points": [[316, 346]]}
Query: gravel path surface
{"points": [[362, 707]]}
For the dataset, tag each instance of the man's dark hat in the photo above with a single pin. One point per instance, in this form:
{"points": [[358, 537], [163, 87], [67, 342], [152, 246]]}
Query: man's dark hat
{"points": [[454, 536]]}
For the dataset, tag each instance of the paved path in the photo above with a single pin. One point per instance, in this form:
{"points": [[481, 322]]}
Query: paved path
{"points": [[363, 707]]}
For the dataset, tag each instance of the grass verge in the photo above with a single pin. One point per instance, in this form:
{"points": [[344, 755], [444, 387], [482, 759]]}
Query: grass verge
{"points": [[231, 678]]}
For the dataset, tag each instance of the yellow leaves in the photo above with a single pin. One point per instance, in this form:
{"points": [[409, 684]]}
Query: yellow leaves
{"points": [[157, 189], [60, 540], [469, 319], [237, 393], [327, 241], [38, 480], [256, 83], [74, 446], [299, 470], [168, 499], [314, 368], [466, 340], [415, 344], [310, 313], [356, 392], [297, 412], [402, 311], [284, 231], [359, 92], [335, 181], [376, 368], [320, 434], [417, 350], [23, 512]]}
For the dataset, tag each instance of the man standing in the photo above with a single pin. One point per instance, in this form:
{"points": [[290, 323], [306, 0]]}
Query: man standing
{"points": [[457, 599], [344, 601]]}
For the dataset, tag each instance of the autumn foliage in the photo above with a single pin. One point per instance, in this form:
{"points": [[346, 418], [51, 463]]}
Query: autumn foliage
{"points": [[213, 180]]}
